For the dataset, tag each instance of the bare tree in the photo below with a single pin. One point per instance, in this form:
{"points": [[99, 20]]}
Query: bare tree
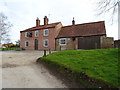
{"points": [[105, 6], [5, 26]]}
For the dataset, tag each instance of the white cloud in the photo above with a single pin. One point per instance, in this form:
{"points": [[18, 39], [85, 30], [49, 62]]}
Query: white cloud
{"points": [[22, 13]]}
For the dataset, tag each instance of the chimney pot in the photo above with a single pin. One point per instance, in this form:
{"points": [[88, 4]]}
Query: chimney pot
{"points": [[73, 21], [37, 22], [45, 20]]}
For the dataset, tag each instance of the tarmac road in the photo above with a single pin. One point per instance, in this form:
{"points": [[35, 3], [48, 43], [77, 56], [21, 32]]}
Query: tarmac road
{"points": [[20, 70]]}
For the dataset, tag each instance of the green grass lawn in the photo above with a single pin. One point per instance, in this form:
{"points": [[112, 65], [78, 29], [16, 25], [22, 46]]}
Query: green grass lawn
{"points": [[11, 48], [101, 64]]}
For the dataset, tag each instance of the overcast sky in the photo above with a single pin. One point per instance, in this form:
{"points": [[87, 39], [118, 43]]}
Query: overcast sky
{"points": [[23, 13]]}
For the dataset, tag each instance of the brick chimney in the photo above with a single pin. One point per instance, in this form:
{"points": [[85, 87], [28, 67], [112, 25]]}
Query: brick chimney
{"points": [[37, 22], [73, 21], [45, 20]]}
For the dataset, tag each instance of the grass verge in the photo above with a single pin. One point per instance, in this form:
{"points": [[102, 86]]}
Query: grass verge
{"points": [[91, 68], [11, 48]]}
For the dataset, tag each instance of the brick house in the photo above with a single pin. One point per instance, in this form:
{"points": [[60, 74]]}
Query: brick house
{"points": [[54, 36]]}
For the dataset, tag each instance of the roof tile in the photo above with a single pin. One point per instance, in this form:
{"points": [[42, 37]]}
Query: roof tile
{"points": [[86, 29], [52, 25]]}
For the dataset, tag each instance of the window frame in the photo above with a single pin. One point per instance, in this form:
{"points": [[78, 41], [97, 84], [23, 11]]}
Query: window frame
{"points": [[26, 44], [45, 32], [37, 34], [30, 34], [62, 39], [26, 34], [44, 43]]}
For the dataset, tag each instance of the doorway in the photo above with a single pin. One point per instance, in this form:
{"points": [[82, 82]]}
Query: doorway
{"points": [[36, 44]]}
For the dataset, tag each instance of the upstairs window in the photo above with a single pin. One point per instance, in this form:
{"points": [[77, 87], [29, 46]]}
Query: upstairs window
{"points": [[26, 34], [36, 33], [46, 32], [30, 34], [62, 41], [45, 44], [26, 43]]}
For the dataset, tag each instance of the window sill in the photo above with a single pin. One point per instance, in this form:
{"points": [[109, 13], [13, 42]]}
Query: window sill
{"points": [[45, 46], [62, 44], [46, 36]]}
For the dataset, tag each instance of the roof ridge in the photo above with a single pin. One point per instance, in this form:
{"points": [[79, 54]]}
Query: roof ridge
{"points": [[50, 23], [41, 26], [83, 24]]}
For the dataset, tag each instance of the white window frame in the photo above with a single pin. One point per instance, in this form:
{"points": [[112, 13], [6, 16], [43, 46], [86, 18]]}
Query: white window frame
{"points": [[26, 45], [36, 35], [26, 34], [45, 33], [44, 42], [62, 39]]}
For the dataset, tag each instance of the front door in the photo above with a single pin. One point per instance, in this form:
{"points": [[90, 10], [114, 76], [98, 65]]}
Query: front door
{"points": [[36, 44]]}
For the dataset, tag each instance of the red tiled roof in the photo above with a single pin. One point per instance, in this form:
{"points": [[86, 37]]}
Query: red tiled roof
{"points": [[86, 29], [52, 25]]}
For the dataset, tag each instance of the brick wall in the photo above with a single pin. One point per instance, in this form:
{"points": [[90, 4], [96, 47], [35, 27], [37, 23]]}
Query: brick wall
{"points": [[107, 42], [29, 39], [51, 39], [70, 44], [91, 42], [117, 43]]}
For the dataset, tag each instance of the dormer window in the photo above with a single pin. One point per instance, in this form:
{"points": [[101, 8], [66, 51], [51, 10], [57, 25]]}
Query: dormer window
{"points": [[46, 32], [36, 33]]}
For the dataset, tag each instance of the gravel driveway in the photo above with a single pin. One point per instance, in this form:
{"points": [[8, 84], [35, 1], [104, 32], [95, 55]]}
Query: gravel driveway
{"points": [[20, 70]]}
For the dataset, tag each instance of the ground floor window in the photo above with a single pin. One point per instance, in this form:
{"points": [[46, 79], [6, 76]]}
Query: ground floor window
{"points": [[62, 41], [26, 43], [45, 44]]}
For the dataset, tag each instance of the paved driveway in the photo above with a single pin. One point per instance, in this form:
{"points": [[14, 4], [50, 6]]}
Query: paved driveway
{"points": [[20, 70]]}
